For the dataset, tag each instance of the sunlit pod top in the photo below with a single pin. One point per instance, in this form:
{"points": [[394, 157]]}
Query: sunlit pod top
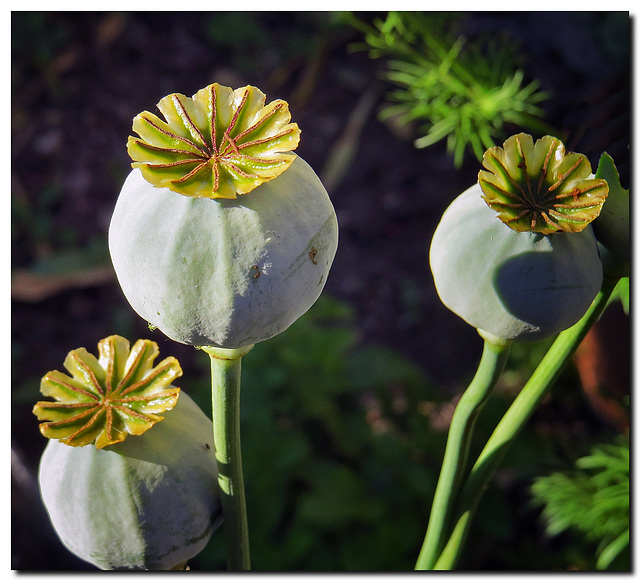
{"points": [[539, 188], [217, 144], [108, 398]]}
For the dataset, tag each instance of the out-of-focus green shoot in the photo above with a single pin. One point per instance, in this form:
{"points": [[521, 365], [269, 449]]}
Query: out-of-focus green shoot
{"points": [[593, 499], [466, 91]]}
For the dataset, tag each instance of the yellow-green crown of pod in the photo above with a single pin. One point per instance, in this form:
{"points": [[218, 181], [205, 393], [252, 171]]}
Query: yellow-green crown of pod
{"points": [[540, 188], [106, 398], [217, 144]]}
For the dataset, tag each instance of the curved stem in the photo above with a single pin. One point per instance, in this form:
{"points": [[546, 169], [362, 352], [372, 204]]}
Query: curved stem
{"points": [[225, 397], [494, 356], [517, 415]]}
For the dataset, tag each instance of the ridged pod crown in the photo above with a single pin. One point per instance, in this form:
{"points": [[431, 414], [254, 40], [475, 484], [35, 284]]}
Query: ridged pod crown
{"points": [[106, 398], [217, 144], [540, 188]]}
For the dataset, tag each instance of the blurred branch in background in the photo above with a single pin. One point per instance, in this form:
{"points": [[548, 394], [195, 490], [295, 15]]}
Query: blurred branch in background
{"points": [[343, 152]]}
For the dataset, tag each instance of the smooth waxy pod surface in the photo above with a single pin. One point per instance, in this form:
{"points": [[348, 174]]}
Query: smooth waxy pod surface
{"points": [[149, 502], [513, 285], [225, 273]]}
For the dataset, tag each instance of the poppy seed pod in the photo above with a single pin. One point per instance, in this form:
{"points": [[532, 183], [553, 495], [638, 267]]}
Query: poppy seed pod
{"points": [[221, 236], [514, 285], [515, 255], [148, 502]]}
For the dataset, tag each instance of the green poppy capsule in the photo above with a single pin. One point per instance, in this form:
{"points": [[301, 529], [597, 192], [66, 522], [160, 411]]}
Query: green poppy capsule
{"points": [[129, 476], [148, 502], [221, 236], [513, 285], [515, 255]]}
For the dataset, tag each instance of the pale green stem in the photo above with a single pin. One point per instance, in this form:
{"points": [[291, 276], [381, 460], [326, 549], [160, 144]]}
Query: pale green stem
{"points": [[494, 357], [513, 421], [225, 397]]}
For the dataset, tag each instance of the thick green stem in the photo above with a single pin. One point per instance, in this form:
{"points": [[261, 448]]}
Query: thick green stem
{"points": [[225, 397], [516, 417], [494, 356]]}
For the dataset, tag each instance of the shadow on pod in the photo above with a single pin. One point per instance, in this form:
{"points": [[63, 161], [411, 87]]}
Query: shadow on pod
{"points": [[514, 285], [149, 502]]}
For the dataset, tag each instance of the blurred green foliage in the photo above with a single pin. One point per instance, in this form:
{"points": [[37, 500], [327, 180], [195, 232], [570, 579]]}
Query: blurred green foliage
{"points": [[464, 91], [37, 43], [256, 41], [342, 445], [34, 231], [592, 500], [337, 466]]}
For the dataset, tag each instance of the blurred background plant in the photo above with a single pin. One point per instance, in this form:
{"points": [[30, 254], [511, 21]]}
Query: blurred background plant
{"points": [[469, 92], [340, 468], [593, 500]]}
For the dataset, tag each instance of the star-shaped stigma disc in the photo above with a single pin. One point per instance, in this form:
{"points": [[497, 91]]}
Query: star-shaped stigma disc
{"points": [[106, 398], [217, 144], [539, 188]]}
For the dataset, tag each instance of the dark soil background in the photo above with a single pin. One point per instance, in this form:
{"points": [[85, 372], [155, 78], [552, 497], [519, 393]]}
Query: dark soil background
{"points": [[79, 78]]}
